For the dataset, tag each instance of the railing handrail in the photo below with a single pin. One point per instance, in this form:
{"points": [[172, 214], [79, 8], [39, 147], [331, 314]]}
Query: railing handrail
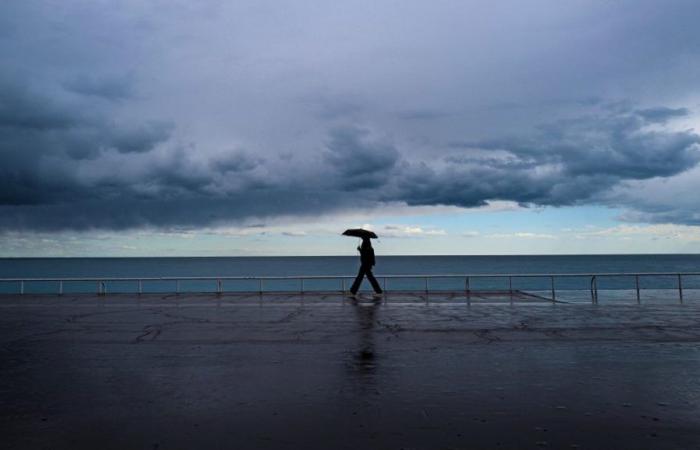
{"points": [[102, 281], [335, 277]]}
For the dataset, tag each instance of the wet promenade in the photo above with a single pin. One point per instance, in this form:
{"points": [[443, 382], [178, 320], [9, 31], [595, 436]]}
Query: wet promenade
{"points": [[322, 371]]}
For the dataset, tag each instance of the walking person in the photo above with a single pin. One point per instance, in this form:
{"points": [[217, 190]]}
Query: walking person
{"points": [[367, 261]]}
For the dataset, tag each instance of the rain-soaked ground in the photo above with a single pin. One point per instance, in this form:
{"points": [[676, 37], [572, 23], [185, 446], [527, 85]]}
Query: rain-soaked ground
{"points": [[292, 371]]}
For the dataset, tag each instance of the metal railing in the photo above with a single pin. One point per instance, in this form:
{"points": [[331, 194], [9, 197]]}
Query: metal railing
{"points": [[218, 282]]}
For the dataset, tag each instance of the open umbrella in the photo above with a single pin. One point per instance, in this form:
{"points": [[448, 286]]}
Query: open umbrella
{"points": [[359, 232]]}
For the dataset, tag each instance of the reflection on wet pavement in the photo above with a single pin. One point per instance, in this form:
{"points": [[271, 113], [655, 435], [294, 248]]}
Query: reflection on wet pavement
{"points": [[331, 372]]}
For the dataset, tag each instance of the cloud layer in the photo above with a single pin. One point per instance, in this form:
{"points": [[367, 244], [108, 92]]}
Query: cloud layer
{"points": [[191, 116]]}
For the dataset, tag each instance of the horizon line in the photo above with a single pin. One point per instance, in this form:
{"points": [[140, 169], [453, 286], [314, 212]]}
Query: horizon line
{"points": [[352, 256]]}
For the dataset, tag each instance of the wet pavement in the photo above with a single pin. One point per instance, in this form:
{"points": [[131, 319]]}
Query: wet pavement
{"points": [[322, 371]]}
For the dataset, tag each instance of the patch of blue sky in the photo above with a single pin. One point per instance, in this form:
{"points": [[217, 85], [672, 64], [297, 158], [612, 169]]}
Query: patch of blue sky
{"points": [[546, 219]]}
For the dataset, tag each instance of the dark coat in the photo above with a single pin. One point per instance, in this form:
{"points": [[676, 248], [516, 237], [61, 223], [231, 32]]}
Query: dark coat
{"points": [[366, 255]]}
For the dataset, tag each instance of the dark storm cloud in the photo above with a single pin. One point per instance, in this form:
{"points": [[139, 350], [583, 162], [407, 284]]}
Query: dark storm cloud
{"points": [[114, 88], [55, 124], [566, 162], [43, 136], [334, 108], [358, 162], [659, 215], [185, 210], [338, 107], [660, 200], [236, 161], [23, 109], [139, 138], [611, 143], [662, 114]]}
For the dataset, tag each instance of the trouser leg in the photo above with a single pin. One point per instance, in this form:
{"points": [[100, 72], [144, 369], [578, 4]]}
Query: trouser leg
{"points": [[375, 284], [358, 280]]}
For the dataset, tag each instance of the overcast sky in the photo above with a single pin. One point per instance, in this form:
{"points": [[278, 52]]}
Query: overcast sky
{"points": [[255, 127]]}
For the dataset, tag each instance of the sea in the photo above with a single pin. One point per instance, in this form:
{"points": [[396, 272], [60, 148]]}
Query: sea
{"points": [[108, 270]]}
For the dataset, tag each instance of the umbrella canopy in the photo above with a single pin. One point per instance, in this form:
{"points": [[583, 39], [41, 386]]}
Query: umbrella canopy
{"points": [[361, 233]]}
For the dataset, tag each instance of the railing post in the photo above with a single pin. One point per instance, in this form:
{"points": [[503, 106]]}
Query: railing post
{"points": [[60, 287], [140, 287], [595, 284], [177, 287], [342, 284], [554, 298], [510, 285], [302, 285], [636, 279], [467, 288], [680, 289], [21, 287], [218, 287], [384, 284], [426, 285], [261, 286]]}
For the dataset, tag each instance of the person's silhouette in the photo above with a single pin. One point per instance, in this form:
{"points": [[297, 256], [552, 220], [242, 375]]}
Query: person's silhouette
{"points": [[366, 263]]}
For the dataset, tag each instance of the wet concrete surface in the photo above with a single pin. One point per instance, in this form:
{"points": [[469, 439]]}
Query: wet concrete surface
{"points": [[292, 371]]}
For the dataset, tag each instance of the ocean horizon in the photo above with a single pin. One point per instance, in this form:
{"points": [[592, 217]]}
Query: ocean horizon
{"points": [[318, 264]]}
